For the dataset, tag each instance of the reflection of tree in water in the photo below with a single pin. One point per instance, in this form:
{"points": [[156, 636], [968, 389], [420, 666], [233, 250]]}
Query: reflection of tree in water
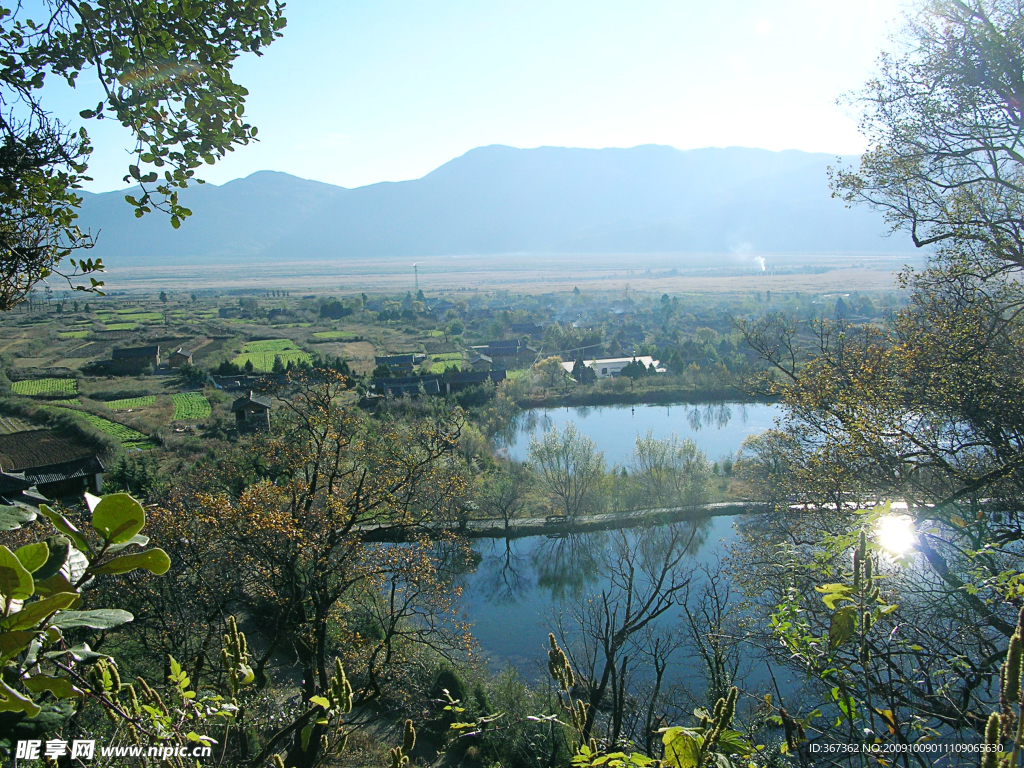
{"points": [[507, 571], [567, 564], [712, 415], [525, 423]]}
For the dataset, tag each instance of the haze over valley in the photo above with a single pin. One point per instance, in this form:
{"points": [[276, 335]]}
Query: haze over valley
{"points": [[652, 200]]}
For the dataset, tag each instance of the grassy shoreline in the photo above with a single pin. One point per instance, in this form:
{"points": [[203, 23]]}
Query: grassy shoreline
{"points": [[640, 396]]}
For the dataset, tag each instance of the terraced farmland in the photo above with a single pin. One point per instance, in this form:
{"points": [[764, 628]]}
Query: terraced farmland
{"points": [[131, 403], [36, 387], [190, 405], [74, 334], [262, 353], [120, 326], [335, 335], [130, 438]]}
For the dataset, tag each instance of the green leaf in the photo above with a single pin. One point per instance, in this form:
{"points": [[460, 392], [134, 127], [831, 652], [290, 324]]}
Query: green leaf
{"points": [[15, 582], [100, 618], [154, 560], [320, 701], [138, 540], [58, 548], [64, 525], [58, 686], [13, 643], [33, 556], [12, 701], [118, 517], [844, 623], [12, 518], [32, 614], [682, 747], [834, 593], [306, 733]]}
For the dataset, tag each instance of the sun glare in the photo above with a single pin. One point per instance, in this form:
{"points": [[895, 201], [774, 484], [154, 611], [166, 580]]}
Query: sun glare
{"points": [[896, 534]]}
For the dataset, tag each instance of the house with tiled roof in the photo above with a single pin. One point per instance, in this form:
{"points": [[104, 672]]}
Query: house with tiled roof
{"points": [[252, 411], [57, 465]]}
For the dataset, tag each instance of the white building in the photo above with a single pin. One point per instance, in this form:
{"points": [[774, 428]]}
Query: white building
{"points": [[612, 366]]}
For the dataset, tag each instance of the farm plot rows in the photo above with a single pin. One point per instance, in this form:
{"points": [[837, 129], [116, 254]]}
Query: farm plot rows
{"points": [[190, 405], [130, 438], [35, 387], [262, 353], [131, 403], [335, 335], [74, 334]]}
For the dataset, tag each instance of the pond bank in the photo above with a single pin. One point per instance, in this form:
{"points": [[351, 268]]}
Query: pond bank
{"points": [[642, 395], [561, 526]]}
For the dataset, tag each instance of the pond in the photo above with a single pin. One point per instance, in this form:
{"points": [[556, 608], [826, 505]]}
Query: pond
{"points": [[521, 586], [717, 429]]}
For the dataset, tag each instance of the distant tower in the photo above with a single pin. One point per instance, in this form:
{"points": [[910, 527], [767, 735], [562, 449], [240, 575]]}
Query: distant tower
{"points": [[416, 272]]}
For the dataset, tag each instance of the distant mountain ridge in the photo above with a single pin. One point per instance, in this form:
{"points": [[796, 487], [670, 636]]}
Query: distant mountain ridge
{"points": [[502, 200]]}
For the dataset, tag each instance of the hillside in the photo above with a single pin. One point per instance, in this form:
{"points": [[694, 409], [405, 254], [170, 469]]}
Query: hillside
{"points": [[501, 200]]}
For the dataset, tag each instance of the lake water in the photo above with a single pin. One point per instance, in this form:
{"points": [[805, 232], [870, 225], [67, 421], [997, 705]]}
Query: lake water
{"points": [[521, 585], [717, 429]]}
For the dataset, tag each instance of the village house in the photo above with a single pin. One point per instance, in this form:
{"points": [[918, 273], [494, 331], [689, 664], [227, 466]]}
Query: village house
{"points": [[133, 360], [400, 365], [481, 363], [179, 357], [434, 384], [57, 465], [612, 366], [251, 412]]}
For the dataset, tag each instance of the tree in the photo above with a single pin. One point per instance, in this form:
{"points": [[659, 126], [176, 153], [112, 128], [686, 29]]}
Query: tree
{"points": [[503, 492], [944, 117], [165, 72], [646, 578], [669, 473], [571, 469], [551, 370], [584, 374], [163, 297]]}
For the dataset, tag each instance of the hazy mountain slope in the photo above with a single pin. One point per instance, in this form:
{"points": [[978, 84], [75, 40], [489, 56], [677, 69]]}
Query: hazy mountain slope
{"points": [[504, 200]]}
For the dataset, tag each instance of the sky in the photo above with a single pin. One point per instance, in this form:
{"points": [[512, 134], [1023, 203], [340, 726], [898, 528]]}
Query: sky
{"points": [[361, 92]]}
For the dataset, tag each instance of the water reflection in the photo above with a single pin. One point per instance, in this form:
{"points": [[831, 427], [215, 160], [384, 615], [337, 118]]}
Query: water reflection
{"points": [[565, 566], [718, 429], [519, 585]]}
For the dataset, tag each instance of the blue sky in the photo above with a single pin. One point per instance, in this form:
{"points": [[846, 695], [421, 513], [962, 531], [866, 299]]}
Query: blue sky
{"points": [[360, 92]]}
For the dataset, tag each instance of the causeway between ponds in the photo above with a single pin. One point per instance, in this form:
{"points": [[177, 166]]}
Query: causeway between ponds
{"points": [[561, 525]]}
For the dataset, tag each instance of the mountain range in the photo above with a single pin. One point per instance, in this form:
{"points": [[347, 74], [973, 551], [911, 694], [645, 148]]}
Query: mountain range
{"points": [[503, 200]]}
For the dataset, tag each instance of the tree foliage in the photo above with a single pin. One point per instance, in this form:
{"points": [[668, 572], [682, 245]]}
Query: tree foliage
{"points": [[944, 119], [165, 72]]}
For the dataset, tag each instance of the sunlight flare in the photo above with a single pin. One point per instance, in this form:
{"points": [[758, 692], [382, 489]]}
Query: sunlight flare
{"points": [[896, 534]]}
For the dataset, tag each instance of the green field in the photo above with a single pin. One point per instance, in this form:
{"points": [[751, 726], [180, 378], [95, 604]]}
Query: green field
{"points": [[336, 335], [262, 353], [190, 405], [131, 402], [130, 438], [120, 326], [443, 360], [74, 334], [146, 317], [35, 387]]}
